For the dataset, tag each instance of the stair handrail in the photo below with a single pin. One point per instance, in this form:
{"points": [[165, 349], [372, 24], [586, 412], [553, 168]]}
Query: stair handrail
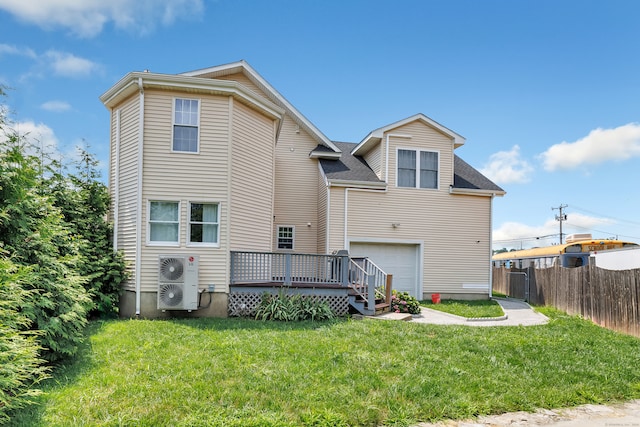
{"points": [[366, 278]]}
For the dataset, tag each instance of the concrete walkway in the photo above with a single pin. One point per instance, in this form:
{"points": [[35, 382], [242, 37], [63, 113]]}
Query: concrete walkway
{"points": [[517, 313], [618, 414]]}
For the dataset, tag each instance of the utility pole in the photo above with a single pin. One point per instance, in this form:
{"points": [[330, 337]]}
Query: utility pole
{"points": [[560, 217]]}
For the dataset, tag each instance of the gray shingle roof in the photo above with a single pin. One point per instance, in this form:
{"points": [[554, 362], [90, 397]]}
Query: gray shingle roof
{"points": [[354, 168], [348, 167], [465, 176]]}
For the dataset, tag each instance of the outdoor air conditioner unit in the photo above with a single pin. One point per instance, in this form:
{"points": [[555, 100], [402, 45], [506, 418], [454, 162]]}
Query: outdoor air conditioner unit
{"points": [[178, 282]]}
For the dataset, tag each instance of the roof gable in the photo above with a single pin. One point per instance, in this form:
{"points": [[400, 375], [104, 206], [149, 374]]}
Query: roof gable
{"points": [[243, 67], [376, 136]]}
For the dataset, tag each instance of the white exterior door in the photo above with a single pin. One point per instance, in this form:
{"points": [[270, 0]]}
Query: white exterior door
{"points": [[401, 260]]}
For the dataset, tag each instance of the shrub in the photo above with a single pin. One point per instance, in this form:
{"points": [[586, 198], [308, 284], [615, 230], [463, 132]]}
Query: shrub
{"points": [[288, 308], [402, 302], [20, 364]]}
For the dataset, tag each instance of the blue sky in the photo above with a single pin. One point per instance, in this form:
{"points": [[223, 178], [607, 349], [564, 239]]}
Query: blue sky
{"points": [[546, 92]]}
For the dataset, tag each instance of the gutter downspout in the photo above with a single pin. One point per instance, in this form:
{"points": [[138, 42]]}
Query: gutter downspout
{"points": [[139, 196], [116, 184], [491, 247]]}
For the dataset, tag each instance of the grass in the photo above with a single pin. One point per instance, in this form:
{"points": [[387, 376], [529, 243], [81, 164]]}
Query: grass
{"points": [[240, 372], [470, 309]]}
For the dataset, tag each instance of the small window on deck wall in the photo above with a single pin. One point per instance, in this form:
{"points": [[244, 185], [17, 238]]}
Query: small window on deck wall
{"points": [[204, 222], [285, 237]]}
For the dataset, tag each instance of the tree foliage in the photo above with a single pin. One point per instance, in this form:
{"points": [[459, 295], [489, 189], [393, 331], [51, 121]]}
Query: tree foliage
{"points": [[21, 367], [57, 267], [84, 203], [34, 234]]}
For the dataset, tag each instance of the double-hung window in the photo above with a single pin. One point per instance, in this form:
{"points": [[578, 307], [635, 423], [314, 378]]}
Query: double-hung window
{"points": [[204, 223], [164, 222], [417, 169], [186, 121], [285, 237]]}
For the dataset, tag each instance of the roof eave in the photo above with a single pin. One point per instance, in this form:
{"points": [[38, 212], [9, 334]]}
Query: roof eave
{"points": [[476, 192], [357, 184], [258, 80], [324, 155], [142, 80], [377, 135]]}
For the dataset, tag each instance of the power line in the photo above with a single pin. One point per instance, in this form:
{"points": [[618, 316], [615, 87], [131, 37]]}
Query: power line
{"points": [[605, 216]]}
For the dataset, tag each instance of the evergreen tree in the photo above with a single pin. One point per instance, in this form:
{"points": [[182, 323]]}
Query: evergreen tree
{"points": [[33, 234], [84, 202]]}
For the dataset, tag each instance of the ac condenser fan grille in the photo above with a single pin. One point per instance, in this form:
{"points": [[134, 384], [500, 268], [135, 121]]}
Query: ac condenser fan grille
{"points": [[171, 268], [171, 295]]}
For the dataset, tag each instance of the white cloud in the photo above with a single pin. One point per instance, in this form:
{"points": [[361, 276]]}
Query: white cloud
{"points": [[601, 145], [507, 167], [69, 65], [515, 235], [56, 106], [53, 61], [7, 49], [37, 135], [88, 18]]}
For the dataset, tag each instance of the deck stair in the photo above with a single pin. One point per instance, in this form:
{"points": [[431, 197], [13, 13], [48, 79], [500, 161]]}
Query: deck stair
{"points": [[370, 287]]}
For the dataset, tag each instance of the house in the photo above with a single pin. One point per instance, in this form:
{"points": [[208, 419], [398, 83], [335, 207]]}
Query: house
{"points": [[216, 161]]}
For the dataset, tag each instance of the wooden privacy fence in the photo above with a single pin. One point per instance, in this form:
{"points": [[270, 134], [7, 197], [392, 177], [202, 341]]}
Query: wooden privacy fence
{"points": [[610, 298]]}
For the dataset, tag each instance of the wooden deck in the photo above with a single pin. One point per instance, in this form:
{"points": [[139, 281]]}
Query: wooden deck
{"points": [[339, 280]]}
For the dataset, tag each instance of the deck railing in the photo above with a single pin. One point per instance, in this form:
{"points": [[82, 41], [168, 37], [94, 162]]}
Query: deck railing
{"points": [[358, 273]]}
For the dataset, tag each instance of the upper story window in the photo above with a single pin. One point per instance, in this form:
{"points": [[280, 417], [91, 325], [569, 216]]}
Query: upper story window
{"points": [[204, 223], [285, 237], [164, 222], [186, 120], [417, 169]]}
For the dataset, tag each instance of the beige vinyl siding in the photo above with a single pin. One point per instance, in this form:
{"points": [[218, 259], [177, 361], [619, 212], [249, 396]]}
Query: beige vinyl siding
{"points": [[453, 230], [447, 226], [423, 137], [374, 159], [243, 80], [323, 199], [296, 194], [252, 179], [128, 182], [336, 219], [186, 177]]}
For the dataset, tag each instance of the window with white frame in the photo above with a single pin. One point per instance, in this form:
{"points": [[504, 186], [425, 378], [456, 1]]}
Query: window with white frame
{"points": [[417, 169], [204, 223], [186, 120], [164, 222], [285, 237]]}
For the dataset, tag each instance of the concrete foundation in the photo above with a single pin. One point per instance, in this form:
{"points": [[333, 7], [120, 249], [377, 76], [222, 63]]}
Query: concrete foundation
{"points": [[212, 304]]}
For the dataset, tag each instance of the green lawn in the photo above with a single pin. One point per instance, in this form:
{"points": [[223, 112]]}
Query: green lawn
{"points": [[236, 372], [470, 309]]}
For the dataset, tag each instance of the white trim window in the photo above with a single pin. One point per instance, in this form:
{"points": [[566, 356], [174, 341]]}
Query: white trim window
{"points": [[164, 222], [417, 168], [204, 224], [186, 123], [286, 237]]}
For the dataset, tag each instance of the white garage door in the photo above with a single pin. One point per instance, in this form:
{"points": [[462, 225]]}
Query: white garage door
{"points": [[398, 259]]}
